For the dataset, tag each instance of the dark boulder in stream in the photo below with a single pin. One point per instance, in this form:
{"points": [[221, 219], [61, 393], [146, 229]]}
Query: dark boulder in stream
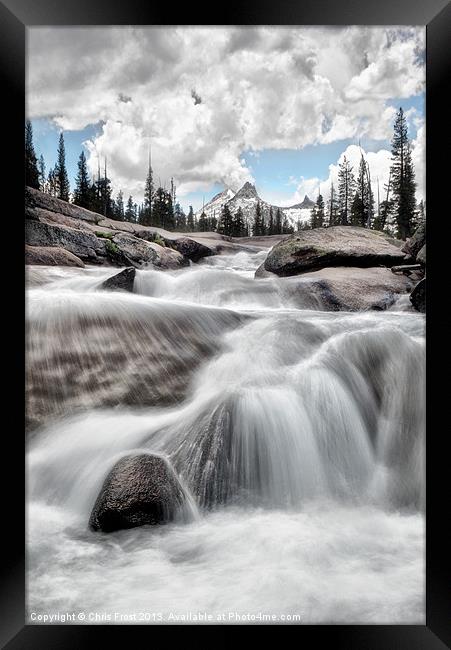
{"points": [[418, 296], [122, 281], [139, 490]]}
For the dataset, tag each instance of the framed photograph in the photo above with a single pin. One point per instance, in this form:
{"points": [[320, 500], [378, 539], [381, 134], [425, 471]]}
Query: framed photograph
{"points": [[230, 414]]}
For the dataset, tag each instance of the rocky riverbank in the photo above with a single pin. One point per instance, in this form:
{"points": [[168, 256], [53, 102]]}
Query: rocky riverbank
{"points": [[350, 268], [53, 226], [338, 268]]}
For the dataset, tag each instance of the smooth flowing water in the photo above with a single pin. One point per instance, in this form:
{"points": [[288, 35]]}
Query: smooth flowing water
{"points": [[297, 434]]}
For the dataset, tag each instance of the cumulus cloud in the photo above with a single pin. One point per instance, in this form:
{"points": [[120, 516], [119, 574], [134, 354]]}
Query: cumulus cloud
{"points": [[203, 95]]}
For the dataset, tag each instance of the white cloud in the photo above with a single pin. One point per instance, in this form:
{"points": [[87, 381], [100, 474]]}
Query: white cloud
{"points": [[391, 70], [262, 87]]}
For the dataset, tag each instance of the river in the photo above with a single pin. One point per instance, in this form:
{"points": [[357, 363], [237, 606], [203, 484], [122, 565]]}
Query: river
{"points": [[298, 436]]}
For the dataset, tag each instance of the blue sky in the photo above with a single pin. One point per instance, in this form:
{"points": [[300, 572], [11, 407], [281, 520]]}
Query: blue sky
{"points": [[265, 95]]}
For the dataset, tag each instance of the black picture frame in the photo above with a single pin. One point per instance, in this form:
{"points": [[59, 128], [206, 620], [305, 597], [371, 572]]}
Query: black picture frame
{"points": [[15, 16]]}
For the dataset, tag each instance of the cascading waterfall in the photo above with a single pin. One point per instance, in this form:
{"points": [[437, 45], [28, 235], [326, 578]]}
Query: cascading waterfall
{"points": [[298, 436]]}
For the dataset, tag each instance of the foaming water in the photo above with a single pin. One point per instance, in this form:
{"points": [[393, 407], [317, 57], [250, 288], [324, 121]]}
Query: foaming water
{"points": [[323, 564], [213, 286], [243, 262], [297, 435]]}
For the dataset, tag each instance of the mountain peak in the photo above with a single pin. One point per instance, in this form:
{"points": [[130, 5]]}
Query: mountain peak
{"points": [[306, 203], [248, 191]]}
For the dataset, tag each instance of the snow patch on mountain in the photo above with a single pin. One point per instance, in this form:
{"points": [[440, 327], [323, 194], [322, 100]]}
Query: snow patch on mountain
{"points": [[214, 206]]}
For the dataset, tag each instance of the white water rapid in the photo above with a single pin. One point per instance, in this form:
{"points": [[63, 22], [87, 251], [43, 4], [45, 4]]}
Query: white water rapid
{"points": [[297, 434]]}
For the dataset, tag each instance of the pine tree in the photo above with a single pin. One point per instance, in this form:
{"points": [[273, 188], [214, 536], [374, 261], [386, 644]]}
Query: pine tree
{"points": [[321, 215], [191, 220], [346, 191], [357, 216], [61, 171], [146, 215], [213, 223], [313, 221], [384, 217], [389, 217], [258, 226], [94, 199], [238, 224], [318, 217], [369, 199], [82, 192], [333, 215], [359, 213], [119, 212], [203, 223], [169, 212], [102, 195], [421, 213], [42, 180], [52, 187], [363, 201], [179, 218], [31, 164], [225, 222], [159, 208], [271, 223], [278, 223], [129, 214], [163, 211], [403, 177]]}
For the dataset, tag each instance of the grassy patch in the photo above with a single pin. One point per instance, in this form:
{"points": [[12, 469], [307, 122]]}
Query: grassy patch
{"points": [[159, 241], [111, 247], [104, 235]]}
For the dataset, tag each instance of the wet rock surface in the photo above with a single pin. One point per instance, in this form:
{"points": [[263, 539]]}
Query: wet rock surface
{"points": [[139, 490], [122, 281]]}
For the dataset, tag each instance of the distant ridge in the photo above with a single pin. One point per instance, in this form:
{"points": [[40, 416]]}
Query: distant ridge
{"points": [[247, 198]]}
